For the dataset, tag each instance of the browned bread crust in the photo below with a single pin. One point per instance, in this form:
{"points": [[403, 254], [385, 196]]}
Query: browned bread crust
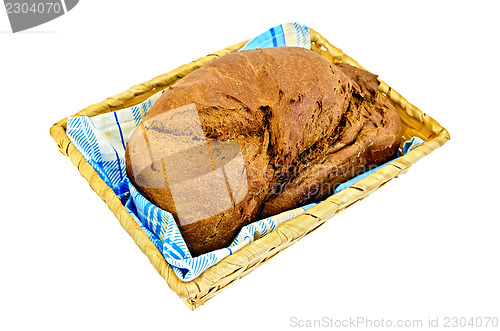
{"points": [[303, 124]]}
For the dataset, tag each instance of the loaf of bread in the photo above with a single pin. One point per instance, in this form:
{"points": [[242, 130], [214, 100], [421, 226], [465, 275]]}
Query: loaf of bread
{"points": [[255, 133]]}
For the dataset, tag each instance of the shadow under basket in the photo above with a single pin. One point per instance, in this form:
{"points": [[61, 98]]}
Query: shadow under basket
{"points": [[215, 279]]}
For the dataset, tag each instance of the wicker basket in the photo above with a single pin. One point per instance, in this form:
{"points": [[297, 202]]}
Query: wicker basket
{"points": [[218, 277]]}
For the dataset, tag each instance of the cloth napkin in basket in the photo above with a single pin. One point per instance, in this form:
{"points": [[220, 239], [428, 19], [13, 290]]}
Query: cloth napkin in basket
{"points": [[102, 141]]}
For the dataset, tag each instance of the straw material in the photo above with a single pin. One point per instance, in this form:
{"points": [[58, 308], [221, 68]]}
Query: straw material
{"points": [[217, 278]]}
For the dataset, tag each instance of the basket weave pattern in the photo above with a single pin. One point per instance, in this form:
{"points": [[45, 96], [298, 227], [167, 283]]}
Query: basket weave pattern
{"points": [[217, 278]]}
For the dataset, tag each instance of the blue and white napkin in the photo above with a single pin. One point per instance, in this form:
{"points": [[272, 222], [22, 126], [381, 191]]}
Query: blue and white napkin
{"points": [[288, 34], [102, 139]]}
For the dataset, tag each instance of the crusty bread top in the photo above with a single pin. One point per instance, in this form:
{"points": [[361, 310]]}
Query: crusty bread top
{"points": [[300, 121]]}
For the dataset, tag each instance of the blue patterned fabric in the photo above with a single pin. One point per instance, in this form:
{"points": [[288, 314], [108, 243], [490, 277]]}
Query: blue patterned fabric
{"points": [[102, 140], [288, 34]]}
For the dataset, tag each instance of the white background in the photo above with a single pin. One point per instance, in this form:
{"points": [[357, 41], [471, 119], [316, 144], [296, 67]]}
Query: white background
{"points": [[425, 245]]}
